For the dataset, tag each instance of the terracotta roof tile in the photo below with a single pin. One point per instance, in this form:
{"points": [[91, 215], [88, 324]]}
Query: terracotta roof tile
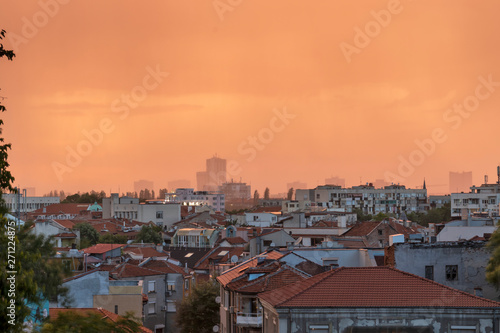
{"points": [[371, 287], [163, 266], [128, 270], [102, 248], [361, 229], [65, 223], [237, 271], [146, 252]]}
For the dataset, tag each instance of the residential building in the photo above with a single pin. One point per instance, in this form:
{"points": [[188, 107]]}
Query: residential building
{"points": [[220, 259], [160, 212], [61, 230], [213, 176], [260, 219], [268, 239], [105, 251], [334, 181], [190, 197], [481, 199], [195, 237], [62, 211], [376, 234], [438, 201], [450, 233], [460, 181], [236, 191], [374, 299], [391, 199], [25, 204], [83, 287], [460, 265], [123, 297]]}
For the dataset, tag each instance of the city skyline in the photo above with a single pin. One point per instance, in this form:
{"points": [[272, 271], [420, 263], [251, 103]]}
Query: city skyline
{"points": [[399, 91]]}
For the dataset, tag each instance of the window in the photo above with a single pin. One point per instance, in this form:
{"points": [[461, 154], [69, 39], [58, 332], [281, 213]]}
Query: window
{"points": [[159, 214], [255, 218], [152, 306], [451, 272], [116, 309], [319, 328], [186, 284], [381, 232], [429, 272], [267, 242], [151, 286], [171, 286]]}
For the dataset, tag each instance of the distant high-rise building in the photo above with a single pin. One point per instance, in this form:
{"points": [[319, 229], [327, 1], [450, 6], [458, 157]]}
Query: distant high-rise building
{"points": [[295, 185], [460, 181], [30, 191], [142, 184], [180, 183], [335, 181], [380, 183], [236, 191], [213, 176]]}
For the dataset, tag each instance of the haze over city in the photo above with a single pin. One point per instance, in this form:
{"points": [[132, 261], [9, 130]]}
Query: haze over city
{"points": [[102, 94]]}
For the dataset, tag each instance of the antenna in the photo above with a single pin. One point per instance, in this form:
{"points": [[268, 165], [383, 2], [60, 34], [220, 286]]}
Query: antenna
{"points": [[485, 179], [498, 174]]}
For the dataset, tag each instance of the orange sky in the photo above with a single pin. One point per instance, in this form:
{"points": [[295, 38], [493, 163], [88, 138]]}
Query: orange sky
{"points": [[359, 101]]}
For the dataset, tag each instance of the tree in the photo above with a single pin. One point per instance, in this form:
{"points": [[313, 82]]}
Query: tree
{"points": [[256, 198], [74, 322], [493, 267], [88, 235], [149, 234], [109, 238], [289, 195], [266, 194], [199, 312], [361, 217], [380, 216]]}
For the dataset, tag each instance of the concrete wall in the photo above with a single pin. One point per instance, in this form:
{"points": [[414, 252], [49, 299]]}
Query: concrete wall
{"points": [[171, 213], [82, 290], [471, 259], [125, 302], [346, 257], [418, 320]]}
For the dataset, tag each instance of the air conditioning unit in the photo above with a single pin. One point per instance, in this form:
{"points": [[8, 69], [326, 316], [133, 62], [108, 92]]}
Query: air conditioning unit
{"points": [[164, 308]]}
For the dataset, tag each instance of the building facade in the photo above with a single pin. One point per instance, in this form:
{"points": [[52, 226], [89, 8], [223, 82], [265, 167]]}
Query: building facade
{"points": [[190, 197], [481, 199], [26, 204], [391, 199]]}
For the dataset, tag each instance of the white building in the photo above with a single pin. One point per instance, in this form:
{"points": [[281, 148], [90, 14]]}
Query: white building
{"points": [[371, 200], [27, 204], [190, 197], [260, 219], [161, 212], [482, 199]]}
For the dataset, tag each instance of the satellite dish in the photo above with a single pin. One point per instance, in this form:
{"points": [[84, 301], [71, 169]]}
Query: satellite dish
{"points": [[217, 299], [216, 328], [272, 244], [234, 258], [329, 244]]}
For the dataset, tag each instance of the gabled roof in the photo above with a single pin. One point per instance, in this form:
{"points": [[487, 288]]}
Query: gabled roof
{"points": [[220, 255], [65, 223], [102, 248], [65, 235], [163, 266], [62, 208], [106, 315], [128, 270], [187, 255], [237, 271], [362, 229], [366, 287], [234, 240]]}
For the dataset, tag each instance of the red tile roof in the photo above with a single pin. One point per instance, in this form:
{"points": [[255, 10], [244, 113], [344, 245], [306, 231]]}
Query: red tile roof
{"points": [[361, 229], [237, 271], [62, 208], [325, 224], [357, 287], [102, 248], [66, 235], [214, 256], [234, 240], [54, 313], [65, 223]]}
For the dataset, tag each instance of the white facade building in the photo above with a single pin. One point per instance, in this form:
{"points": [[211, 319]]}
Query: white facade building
{"points": [[161, 212], [27, 204], [481, 199], [190, 197], [371, 200]]}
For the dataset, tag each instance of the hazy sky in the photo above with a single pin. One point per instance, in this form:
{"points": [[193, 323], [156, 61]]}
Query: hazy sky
{"points": [[102, 93]]}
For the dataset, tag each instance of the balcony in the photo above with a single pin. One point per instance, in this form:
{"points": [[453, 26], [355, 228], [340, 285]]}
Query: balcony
{"points": [[249, 319]]}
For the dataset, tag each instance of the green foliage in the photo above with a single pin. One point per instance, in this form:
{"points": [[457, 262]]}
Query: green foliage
{"points": [[149, 234], [380, 216], [289, 195], [199, 312], [256, 197], [73, 322], [37, 276], [88, 197], [88, 235], [109, 238], [493, 267], [362, 217], [435, 215]]}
